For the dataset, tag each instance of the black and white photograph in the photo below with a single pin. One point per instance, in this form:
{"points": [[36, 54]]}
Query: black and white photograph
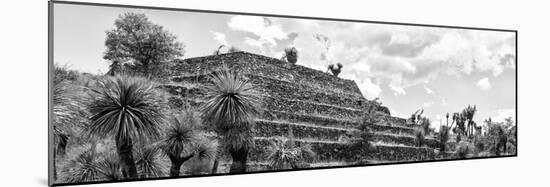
{"points": [[141, 93]]}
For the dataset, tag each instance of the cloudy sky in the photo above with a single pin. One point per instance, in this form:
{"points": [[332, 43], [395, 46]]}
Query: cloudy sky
{"points": [[438, 69]]}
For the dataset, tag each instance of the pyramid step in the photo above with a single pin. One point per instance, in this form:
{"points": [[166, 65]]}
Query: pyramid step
{"points": [[392, 120], [334, 150], [284, 89], [291, 105], [401, 139], [392, 129], [277, 89], [268, 128], [191, 90], [319, 120]]}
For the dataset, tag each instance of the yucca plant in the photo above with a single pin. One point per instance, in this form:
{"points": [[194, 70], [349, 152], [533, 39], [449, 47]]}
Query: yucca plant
{"points": [[463, 150], [184, 140], [129, 109], [148, 162], [443, 137], [68, 115], [231, 104], [419, 137], [285, 154], [109, 167], [84, 168]]}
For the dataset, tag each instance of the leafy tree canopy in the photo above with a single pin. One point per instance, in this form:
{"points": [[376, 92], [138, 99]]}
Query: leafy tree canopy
{"points": [[137, 40]]}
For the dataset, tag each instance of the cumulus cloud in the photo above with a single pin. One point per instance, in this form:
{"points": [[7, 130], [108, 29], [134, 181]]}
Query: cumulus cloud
{"points": [[501, 114], [267, 32], [484, 84], [220, 38], [368, 88], [392, 55], [428, 90], [402, 56], [427, 104]]}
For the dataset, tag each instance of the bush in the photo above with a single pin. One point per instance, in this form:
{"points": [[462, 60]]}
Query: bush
{"points": [[464, 150]]}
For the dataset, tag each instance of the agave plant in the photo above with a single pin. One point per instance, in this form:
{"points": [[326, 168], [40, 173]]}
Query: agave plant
{"points": [[147, 161], [184, 140], [128, 109], [285, 154], [231, 104]]}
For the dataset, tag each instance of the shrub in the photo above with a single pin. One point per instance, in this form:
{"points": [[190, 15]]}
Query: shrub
{"points": [[335, 69], [285, 154], [291, 55], [463, 150]]}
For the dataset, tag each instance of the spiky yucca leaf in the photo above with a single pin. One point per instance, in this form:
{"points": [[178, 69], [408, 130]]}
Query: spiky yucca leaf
{"points": [[125, 108], [148, 162]]}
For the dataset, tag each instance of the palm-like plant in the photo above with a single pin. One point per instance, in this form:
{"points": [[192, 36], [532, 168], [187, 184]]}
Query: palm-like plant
{"points": [[126, 108], [184, 141], [84, 168], [109, 167], [419, 137], [443, 137], [147, 161], [231, 104]]}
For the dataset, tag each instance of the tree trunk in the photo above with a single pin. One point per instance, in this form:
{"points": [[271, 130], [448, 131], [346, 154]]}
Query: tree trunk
{"points": [[215, 166], [176, 164], [62, 145], [239, 160], [124, 149]]}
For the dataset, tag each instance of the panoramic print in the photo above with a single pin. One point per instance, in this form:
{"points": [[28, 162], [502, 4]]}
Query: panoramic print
{"points": [[150, 93]]}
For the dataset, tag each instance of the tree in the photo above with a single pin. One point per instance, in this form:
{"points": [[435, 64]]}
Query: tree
{"points": [[500, 135], [184, 141], [468, 114], [137, 40], [231, 105], [126, 108]]}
